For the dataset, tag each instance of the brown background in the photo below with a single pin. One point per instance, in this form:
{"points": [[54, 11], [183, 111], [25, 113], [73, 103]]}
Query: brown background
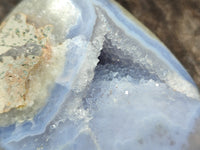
{"points": [[175, 22]]}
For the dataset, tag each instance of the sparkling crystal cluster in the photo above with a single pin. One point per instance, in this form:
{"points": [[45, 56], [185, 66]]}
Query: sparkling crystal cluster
{"points": [[85, 75]]}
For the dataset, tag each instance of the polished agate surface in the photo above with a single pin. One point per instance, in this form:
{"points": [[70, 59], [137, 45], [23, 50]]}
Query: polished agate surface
{"points": [[85, 75]]}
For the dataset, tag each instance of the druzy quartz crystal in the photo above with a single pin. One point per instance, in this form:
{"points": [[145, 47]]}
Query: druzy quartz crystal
{"points": [[85, 75]]}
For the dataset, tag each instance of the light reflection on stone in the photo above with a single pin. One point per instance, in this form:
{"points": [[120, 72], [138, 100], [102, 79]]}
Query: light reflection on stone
{"points": [[106, 82]]}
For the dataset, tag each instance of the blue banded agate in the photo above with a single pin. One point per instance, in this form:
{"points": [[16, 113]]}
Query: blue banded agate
{"points": [[86, 75]]}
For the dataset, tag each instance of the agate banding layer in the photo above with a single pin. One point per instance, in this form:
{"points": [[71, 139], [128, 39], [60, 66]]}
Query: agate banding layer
{"points": [[85, 75]]}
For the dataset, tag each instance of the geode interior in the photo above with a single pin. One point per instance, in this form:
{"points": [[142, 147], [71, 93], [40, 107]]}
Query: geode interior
{"points": [[85, 75]]}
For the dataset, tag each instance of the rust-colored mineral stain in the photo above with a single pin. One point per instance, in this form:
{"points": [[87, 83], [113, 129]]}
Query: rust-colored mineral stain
{"points": [[47, 52], [22, 50]]}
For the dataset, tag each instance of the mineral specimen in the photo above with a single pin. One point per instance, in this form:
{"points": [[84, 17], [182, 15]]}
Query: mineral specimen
{"points": [[25, 57], [84, 75]]}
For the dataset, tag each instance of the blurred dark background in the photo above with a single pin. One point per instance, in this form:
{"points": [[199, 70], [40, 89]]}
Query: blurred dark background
{"points": [[175, 22]]}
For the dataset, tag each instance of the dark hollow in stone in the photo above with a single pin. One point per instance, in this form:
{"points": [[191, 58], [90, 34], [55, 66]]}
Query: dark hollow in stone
{"points": [[111, 62]]}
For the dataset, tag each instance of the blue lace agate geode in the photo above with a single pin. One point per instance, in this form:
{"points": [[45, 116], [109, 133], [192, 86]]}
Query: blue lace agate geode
{"points": [[84, 75]]}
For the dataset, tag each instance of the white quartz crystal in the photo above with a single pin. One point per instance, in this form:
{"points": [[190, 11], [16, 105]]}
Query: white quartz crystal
{"points": [[112, 85]]}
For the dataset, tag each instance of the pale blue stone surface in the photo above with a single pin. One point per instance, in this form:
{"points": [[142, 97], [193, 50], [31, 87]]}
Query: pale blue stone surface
{"points": [[121, 89]]}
